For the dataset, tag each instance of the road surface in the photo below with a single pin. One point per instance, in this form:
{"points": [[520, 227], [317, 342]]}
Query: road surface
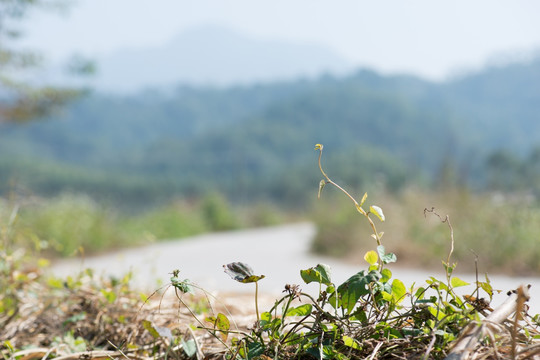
{"points": [[278, 252]]}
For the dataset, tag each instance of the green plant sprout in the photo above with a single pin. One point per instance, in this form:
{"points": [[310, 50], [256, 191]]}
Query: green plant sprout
{"points": [[243, 273]]}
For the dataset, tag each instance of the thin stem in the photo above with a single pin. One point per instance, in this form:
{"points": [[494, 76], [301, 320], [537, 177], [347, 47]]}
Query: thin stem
{"points": [[358, 207], [256, 300], [199, 321]]}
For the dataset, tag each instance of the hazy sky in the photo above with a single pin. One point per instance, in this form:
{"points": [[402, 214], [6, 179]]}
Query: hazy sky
{"points": [[426, 37]]}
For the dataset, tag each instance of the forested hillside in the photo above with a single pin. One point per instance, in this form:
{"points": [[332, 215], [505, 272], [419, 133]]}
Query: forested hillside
{"points": [[257, 141]]}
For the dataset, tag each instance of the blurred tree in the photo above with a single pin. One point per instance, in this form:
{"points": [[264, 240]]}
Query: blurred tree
{"points": [[20, 98], [505, 171]]}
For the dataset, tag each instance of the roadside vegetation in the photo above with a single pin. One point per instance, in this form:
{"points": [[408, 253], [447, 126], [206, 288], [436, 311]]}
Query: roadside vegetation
{"points": [[503, 232], [372, 315], [71, 223]]}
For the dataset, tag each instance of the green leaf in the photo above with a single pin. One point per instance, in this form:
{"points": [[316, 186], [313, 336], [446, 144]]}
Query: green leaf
{"points": [[319, 274], [371, 257], [109, 295], [398, 291], [437, 312], [266, 316], [301, 310], [8, 344], [381, 250], [377, 211], [363, 199], [355, 287], [386, 275], [183, 286], [350, 342], [150, 328], [457, 282], [255, 349], [386, 258], [56, 283], [389, 258], [221, 323], [252, 279], [241, 272]]}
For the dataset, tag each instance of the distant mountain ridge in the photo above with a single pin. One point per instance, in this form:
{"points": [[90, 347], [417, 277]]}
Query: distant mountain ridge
{"points": [[257, 141], [213, 56]]}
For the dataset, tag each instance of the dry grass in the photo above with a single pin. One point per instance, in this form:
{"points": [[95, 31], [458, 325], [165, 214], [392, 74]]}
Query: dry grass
{"points": [[82, 323]]}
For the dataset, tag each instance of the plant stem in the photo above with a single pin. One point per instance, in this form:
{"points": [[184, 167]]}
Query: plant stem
{"points": [[358, 207], [199, 321], [256, 300]]}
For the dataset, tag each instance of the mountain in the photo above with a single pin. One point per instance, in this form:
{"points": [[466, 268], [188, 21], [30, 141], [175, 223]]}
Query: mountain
{"points": [[213, 56], [257, 141]]}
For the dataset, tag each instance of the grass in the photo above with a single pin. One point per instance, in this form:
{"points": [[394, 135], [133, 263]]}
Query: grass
{"points": [[503, 232], [73, 223]]}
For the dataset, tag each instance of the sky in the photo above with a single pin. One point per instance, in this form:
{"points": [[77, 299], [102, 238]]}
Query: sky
{"points": [[429, 38]]}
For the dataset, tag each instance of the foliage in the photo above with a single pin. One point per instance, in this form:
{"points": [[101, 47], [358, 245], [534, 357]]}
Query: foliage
{"points": [[504, 228], [191, 141], [21, 99], [217, 213], [73, 223]]}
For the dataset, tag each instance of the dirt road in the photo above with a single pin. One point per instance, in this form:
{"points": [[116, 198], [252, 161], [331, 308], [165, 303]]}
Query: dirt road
{"points": [[279, 253]]}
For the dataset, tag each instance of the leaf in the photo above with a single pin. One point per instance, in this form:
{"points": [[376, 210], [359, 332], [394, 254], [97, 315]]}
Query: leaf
{"points": [[301, 310], [56, 283], [457, 282], [398, 290], [386, 258], [386, 275], [150, 328], [389, 258], [252, 279], [42, 262], [377, 211], [322, 184], [255, 349], [183, 286], [350, 342], [371, 257], [190, 347], [109, 295], [241, 272], [381, 250], [220, 323], [363, 199], [164, 332], [318, 147], [319, 274], [355, 287]]}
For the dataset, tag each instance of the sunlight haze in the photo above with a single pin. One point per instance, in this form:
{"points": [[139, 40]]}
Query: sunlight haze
{"points": [[426, 38]]}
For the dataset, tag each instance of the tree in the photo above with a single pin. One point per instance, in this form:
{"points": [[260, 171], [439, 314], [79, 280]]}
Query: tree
{"points": [[20, 99]]}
